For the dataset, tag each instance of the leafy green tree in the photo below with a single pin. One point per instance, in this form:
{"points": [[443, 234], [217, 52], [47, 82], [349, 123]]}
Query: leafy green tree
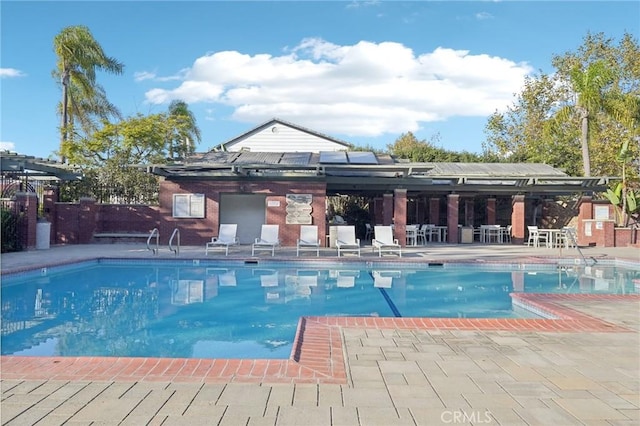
{"points": [[84, 101], [409, 147], [590, 86], [606, 77], [545, 125], [183, 130], [624, 198]]}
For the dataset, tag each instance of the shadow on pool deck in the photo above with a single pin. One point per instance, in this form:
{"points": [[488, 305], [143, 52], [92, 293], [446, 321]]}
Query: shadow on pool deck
{"points": [[372, 371]]}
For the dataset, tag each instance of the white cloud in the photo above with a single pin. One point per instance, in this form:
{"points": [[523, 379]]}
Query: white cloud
{"points": [[147, 75], [7, 146], [365, 89], [481, 16], [10, 72], [143, 75]]}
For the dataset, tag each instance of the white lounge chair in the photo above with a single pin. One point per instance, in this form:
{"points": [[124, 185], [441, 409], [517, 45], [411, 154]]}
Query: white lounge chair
{"points": [[226, 237], [268, 240], [383, 241], [346, 240], [308, 239]]}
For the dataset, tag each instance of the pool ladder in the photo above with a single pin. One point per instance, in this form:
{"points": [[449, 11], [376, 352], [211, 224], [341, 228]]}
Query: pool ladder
{"points": [[153, 233], [571, 234], [176, 249]]}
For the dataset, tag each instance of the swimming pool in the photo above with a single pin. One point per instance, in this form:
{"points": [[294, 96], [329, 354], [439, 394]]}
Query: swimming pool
{"points": [[213, 309]]}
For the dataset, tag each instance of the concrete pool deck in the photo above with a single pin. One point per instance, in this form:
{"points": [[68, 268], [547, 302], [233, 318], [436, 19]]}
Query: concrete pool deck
{"points": [[581, 369]]}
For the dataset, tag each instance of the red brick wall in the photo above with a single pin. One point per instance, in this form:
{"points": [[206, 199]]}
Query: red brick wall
{"points": [[453, 202], [199, 231], [400, 216], [518, 219], [76, 223]]}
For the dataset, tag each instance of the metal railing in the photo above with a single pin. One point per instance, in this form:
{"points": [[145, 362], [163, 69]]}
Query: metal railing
{"points": [[153, 233], [176, 249], [571, 235]]}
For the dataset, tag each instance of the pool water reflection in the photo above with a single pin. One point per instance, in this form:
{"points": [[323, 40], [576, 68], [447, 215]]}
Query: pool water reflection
{"points": [[218, 310]]}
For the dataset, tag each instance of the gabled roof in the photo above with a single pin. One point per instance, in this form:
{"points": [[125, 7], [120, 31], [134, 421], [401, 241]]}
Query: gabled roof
{"points": [[226, 145]]}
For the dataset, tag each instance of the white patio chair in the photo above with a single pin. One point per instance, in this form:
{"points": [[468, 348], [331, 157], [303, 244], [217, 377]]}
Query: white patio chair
{"points": [[383, 241], [346, 240], [268, 240], [308, 239], [535, 237], [226, 237]]}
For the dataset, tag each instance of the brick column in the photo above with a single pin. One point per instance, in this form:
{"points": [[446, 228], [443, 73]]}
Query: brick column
{"points": [[434, 211], [585, 212], [491, 211], [517, 219], [51, 196], [387, 209], [86, 220], [453, 201], [400, 215], [27, 205]]}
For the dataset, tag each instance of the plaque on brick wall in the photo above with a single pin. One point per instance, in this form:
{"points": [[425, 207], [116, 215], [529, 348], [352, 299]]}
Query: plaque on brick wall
{"points": [[299, 209]]}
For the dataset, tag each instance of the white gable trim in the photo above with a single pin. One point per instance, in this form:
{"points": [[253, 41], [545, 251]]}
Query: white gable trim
{"points": [[281, 136]]}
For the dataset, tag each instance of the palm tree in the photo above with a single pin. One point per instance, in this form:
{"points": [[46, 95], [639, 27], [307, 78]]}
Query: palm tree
{"points": [[184, 129], [589, 86], [83, 100]]}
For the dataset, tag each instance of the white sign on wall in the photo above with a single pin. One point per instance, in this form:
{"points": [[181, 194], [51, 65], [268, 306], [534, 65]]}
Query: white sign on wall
{"points": [[299, 209], [601, 212], [188, 205]]}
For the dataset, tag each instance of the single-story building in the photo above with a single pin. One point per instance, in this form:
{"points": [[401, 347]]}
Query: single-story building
{"points": [[282, 173]]}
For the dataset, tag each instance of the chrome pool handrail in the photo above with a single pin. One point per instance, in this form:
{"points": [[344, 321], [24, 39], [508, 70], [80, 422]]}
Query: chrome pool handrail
{"points": [[157, 235]]}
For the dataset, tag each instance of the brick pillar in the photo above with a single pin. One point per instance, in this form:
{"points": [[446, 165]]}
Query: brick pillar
{"points": [[400, 215], [86, 220], [27, 205], [491, 211], [387, 209], [453, 201], [378, 211], [51, 196], [469, 213], [517, 219], [434, 211], [585, 212]]}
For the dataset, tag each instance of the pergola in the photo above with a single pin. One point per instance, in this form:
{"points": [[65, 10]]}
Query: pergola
{"points": [[27, 166], [378, 174]]}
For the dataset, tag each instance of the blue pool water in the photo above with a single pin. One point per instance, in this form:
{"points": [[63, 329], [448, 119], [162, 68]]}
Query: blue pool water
{"points": [[203, 309]]}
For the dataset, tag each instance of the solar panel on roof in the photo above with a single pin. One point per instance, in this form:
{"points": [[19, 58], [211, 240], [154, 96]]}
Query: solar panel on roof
{"points": [[333, 157], [301, 158], [362, 157]]}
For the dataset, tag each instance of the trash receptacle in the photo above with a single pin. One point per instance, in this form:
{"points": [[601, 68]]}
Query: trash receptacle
{"points": [[466, 235], [43, 234]]}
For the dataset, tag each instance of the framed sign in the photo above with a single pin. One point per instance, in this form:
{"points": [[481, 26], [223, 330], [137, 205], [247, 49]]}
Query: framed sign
{"points": [[299, 209], [601, 212], [188, 205]]}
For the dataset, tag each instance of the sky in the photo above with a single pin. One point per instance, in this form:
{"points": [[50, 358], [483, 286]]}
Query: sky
{"points": [[364, 72]]}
